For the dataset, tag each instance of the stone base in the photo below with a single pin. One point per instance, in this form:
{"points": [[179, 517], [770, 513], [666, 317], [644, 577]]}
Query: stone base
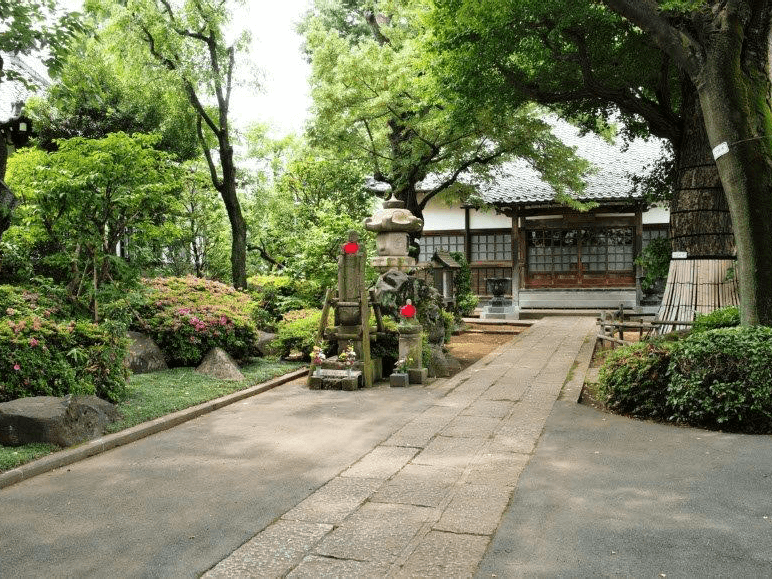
{"points": [[398, 379], [500, 313], [335, 380], [418, 375]]}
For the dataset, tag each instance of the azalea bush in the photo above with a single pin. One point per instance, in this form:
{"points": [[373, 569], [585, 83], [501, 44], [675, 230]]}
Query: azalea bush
{"points": [[187, 316], [44, 357]]}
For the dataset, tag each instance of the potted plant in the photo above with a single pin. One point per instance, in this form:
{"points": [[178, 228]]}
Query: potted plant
{"points": [[400, 376]]}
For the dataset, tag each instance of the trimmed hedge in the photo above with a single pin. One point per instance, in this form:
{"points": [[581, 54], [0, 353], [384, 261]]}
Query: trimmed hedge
{"points": [[718, 379], [723, 379], [633, 379], [187, 316], [727, 317]]}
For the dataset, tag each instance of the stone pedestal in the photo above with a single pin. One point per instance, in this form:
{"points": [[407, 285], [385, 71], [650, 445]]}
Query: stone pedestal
{"points": [[500, 309], [335, 380], [411, 350], [418, 375], [399, 380]]}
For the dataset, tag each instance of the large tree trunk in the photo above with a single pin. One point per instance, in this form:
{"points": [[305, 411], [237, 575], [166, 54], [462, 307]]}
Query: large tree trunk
{"points": [[734, 90], [700, 223], [700, 227]]}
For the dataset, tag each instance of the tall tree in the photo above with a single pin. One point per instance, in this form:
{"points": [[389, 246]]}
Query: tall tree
{"points": [[32, 26], [725, 48], [376, 101], [588, 61], [188, 38]]}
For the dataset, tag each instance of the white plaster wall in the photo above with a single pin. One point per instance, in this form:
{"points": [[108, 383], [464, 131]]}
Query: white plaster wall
{"points": [[488, 220], [439, 217], [656, 215]]}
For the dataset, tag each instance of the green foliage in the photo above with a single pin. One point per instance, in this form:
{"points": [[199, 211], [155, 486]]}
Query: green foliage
{"points": [[449, 323], [655, 261], [79, 202], [378, 101], [275, 295], [726, 317], [34, 26], [44, 357], [466, 300], [297, 332], [723, 379], [105, 86], [634, 380], [188, 316]]}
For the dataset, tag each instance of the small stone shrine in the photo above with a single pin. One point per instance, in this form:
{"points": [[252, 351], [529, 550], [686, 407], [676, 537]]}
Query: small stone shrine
{"points": [[351, 330], [499, 308]]}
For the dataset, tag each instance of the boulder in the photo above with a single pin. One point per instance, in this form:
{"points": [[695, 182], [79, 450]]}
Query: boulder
{"points": [[441, 364], [144, 355], [218, 364], [264, 340], [62, 421]]}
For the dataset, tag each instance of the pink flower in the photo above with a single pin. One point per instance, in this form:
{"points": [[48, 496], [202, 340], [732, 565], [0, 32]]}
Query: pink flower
{"points": [[33, 342], [16, 367]]}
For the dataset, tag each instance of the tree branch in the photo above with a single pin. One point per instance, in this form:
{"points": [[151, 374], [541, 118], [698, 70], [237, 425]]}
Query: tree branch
{"points": [[680, 46]]}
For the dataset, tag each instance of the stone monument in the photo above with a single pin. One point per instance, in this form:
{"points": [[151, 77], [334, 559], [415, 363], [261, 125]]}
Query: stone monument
{"points": [[351, 330], [392, 226], [499, 308]]}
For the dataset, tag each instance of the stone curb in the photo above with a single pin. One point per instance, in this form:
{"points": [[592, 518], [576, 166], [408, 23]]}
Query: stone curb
{"points": [[572, 389], [99, 445]]}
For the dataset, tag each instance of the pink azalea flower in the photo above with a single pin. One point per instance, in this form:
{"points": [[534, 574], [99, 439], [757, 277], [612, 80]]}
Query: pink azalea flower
{"points": [[16, 367], [33, 342]]}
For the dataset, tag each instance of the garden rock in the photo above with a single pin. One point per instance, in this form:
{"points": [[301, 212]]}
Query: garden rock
{"points": [[144, 355], [441, 364], [264, 346], [218, 364], [61, 421]]}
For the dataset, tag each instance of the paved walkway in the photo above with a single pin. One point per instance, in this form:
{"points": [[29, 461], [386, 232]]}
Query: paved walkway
{"points": [[378, 482], [427, 500]]}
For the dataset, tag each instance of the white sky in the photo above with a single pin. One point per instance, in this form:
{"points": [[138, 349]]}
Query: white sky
{"points": [[284, 99]]}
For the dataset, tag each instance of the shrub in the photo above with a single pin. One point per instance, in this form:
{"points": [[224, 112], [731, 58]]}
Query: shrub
{"points": [[297, 331], [723, 379], [655, 261], [727, 317], [275, 295], [42, 357], [189, 316], [466, 300], [633, 379]]}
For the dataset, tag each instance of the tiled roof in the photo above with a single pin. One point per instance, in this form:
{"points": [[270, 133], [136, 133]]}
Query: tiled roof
{"points": [[12, 92], [517, 183]]}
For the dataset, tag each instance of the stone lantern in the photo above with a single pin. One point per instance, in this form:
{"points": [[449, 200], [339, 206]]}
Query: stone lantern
{"points": [[392, 226]]}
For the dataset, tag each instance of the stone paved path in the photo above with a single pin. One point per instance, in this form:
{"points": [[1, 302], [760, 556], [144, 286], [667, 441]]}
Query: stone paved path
{"points": [[427, 500]]}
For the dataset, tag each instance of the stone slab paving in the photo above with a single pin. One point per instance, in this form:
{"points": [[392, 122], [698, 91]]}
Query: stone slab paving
{"points": [[428, 499]]}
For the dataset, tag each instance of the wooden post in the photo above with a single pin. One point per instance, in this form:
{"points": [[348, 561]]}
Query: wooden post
{"points": [[515, 259], [325, 315], [367, 362]]}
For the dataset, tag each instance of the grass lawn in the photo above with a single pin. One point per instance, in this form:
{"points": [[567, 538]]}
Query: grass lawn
{"points": [[160, 393]]}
